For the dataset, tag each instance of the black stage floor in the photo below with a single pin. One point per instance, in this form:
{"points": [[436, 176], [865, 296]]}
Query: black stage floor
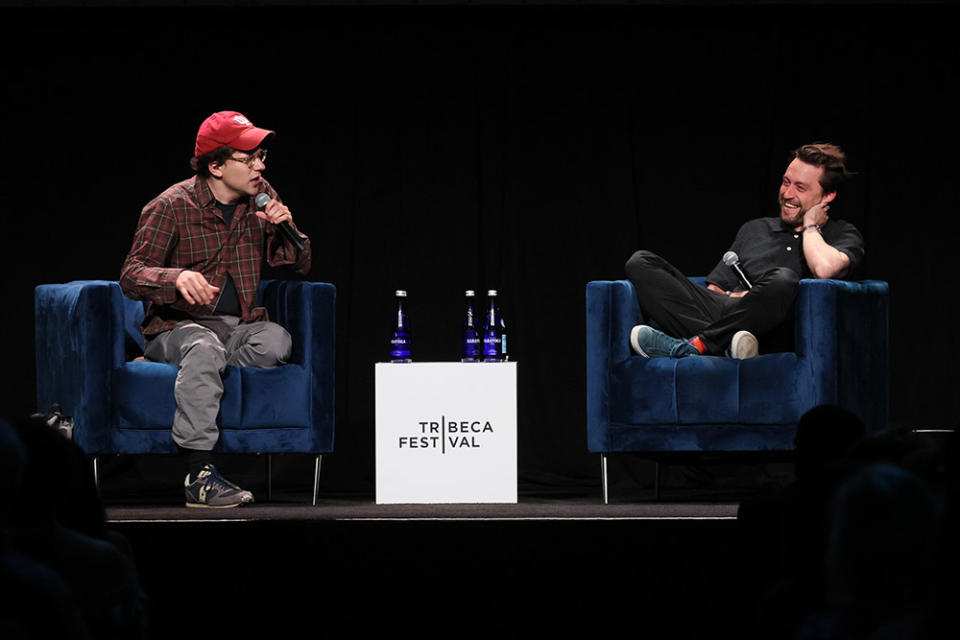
{"points": [[557, 564], [349, 568], [576, 508]]}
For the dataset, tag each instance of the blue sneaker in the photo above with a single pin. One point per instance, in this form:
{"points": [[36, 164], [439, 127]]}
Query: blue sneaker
{"points": [[650, 343], [213, 491]]}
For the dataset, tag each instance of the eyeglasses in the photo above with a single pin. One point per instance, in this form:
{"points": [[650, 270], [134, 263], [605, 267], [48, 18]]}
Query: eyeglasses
{"points": [[251, 160]]}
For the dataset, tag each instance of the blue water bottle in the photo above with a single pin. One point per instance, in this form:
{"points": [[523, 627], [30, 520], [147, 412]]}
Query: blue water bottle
{"points": [[471, 334], [503, 340], [492, 334], [400, 339]]}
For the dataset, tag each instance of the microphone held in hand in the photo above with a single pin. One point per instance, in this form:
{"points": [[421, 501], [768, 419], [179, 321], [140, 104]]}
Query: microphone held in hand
{"points": [[261, 201], [733, 261]]}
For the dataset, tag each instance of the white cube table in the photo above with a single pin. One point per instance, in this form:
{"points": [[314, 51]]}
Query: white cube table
{"points": [[446, 432]]}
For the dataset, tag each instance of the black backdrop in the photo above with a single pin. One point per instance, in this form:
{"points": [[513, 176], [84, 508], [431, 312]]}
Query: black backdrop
{"points": [[530, 149]]}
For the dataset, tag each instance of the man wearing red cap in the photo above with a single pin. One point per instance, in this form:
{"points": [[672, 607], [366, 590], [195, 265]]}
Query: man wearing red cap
{"points": [[196, 258]]}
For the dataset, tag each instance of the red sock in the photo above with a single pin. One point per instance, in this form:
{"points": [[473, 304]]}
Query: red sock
{"points": [[698, 345]]}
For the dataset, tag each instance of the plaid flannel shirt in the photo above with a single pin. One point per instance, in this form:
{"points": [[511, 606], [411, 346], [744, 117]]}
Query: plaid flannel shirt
{"points": [[181, 229]]}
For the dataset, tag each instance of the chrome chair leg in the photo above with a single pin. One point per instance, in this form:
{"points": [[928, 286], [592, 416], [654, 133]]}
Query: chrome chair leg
{"points": [[316, 478], [603, 474], [96, 472]]}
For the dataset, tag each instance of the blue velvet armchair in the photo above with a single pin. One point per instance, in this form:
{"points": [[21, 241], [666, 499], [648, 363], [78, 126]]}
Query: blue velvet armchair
{"points": [[711, 404], [88, 333]]}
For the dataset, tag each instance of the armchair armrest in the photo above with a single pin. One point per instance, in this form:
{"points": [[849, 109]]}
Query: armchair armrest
{"points": [[308, 312], [612, 310], [842, 332], [79, 341]]}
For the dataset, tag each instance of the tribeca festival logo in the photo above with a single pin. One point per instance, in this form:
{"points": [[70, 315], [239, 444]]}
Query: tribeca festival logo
{"points": [[446, 434]]}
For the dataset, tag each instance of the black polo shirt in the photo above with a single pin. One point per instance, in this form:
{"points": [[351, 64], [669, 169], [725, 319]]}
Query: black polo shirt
{"points": [[765, 243]]}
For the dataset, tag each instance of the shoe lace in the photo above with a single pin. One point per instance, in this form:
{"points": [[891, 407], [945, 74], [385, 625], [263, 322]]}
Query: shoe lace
{"points": [[218, 481]]}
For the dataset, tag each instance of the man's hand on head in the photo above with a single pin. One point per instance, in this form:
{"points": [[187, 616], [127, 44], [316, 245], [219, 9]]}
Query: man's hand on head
{"points": [[823, 260], [817, 215]]}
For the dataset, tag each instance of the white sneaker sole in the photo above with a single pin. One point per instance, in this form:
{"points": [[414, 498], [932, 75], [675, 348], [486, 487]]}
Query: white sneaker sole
{"points": [[633, 341], [744, 346], [203, 505], [199, 505]]}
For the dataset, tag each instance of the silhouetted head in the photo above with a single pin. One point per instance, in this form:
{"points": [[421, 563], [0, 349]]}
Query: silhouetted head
{"points": [[57, 483], [825, 434], [884, 541]]}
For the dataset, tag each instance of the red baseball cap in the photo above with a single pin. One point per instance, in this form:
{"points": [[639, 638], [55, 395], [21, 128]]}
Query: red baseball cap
{"points": [[229, 128]]}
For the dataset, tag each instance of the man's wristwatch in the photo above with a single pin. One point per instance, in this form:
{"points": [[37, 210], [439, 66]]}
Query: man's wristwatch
{"points": [[813, 226]]}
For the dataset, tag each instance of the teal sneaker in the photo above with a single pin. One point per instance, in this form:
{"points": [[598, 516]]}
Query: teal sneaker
{"points": [[213, 491], [650, 343]]}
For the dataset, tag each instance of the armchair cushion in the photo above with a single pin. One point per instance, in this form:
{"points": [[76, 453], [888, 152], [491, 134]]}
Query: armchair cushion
{"points": [[689, 391]]}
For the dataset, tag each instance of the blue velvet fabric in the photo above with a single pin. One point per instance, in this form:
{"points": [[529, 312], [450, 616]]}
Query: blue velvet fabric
{"points": [[708, 403], [88, 331]]}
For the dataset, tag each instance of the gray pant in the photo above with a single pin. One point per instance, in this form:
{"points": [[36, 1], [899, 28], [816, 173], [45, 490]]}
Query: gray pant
{"points": [[203, 348]]}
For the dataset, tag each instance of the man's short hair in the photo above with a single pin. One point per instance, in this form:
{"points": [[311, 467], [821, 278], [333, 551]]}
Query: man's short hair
{"points": [[201, 164], [828, 156]]}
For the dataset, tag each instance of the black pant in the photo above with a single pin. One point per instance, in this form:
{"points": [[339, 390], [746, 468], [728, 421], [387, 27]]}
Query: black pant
{"points": [[684, 309]]}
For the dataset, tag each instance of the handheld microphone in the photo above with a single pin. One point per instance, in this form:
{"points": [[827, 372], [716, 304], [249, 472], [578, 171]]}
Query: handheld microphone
{"points": [[261, 201], [733, 261]]}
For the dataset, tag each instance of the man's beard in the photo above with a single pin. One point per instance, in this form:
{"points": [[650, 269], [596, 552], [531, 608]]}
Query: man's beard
{"points": [[791, 216]]}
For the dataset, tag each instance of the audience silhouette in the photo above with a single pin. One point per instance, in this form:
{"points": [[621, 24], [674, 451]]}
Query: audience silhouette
{"points": [[852, 549], [855, 548], [64, 574]]}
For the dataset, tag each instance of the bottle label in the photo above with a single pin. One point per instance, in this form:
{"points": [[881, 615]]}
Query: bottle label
{"points": [[400, 347], [491, 347]]}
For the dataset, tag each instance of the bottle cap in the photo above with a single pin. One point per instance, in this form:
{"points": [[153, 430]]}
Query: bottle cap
{"points": [[401, 293], [492, 292], [470, 292]]}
